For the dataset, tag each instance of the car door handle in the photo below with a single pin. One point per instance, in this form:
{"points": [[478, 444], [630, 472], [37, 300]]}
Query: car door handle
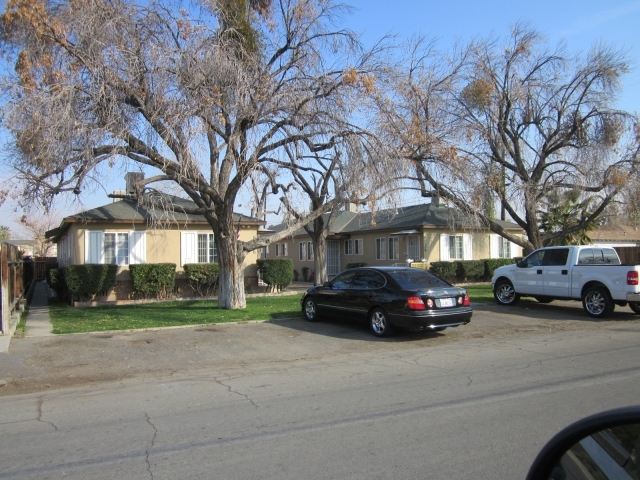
{"points": [[539, 272], [565, 272]]}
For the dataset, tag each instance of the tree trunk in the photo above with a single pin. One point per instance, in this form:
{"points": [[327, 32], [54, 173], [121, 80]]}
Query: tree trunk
{"points": [[231, 280], [320, 258]]}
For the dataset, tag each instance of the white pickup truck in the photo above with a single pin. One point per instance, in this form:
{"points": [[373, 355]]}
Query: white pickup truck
{"points": [[588, 273]]}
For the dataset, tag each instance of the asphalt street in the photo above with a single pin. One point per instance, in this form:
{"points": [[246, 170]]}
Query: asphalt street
{"points": [[294, 399]]}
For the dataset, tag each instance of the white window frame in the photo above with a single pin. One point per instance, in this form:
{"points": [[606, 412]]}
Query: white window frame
{"points": [[381, 248], [445, 251], [302, 251], [394, 248], [211, 257], [310, 251], [189, 247], [497, 244], [358, 246], [281, 250], [348, 247], [95, 247], [456, 246], [413, 251]]}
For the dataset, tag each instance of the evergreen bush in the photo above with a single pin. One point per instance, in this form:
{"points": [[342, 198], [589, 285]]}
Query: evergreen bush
{"points": [[203, 277], [87, 281], [276, 272], [153, 279], [445, 270]]}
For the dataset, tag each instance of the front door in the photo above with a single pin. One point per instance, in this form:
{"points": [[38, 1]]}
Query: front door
{"points": [[333, 258]]}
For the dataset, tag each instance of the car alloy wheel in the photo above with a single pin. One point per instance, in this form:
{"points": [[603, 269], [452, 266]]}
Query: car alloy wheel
{"points": [[505, 294], [310, 310], [379, 323], [597, 303]]}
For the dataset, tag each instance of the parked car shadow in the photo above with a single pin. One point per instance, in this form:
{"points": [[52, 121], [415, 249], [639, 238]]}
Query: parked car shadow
{"points": [[556, 310], [353, 329]]}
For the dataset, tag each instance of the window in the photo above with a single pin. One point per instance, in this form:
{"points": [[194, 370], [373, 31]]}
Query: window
{"points": [[504, 248], [394, 248], [556, 257], [369, 280], [263, 252], [197, 247], [413, 248], [598, 256], [358, 246], [207, 252], [343, 281], [455, 247], [303, 250], [281, 250], [381, 244], [309, 250], [456, 250], [348, 247], [117, 248]]}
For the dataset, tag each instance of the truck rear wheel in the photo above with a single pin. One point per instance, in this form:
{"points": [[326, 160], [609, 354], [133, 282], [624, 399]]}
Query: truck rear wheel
{"points": [[635, 306], [597, 302]]}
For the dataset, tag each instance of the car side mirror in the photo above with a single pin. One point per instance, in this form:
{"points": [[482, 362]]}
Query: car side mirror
{"points": [[607, 443]]}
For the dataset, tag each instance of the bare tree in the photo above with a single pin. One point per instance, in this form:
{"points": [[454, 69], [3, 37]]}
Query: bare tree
{"points": [[34, 226], [102, 83], [518, 122]]}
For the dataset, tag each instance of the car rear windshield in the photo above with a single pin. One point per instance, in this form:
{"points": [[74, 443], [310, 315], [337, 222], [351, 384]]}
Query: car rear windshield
{"points": [[416, 279]]}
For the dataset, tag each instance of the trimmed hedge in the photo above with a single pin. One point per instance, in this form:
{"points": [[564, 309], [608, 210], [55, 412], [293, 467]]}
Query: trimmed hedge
{"points": [[491, 264], [465, 270], [470, 269], [203, 277], [356, 265], [55, 278], [153, 279], [443, 269], [48, 267], [87, 281], [276, 272]]}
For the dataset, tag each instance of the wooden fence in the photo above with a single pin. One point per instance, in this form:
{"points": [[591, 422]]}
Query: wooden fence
{"points": [[629, 255], [11, 283]]}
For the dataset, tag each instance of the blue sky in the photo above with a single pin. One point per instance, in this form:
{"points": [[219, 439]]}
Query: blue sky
{"points": [[579, 24]]}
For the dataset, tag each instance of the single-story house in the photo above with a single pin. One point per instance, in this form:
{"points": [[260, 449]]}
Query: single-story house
{"points": [[615, 236], [125, 233], [420, 233]]}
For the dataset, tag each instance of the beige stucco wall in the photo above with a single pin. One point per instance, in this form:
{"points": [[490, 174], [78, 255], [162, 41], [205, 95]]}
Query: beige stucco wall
{"points": [[429, 246], [162, 245]]}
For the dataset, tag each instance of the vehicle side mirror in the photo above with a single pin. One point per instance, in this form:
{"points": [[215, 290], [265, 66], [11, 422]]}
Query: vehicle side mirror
{"points": [[606, 444], [519, 264]]}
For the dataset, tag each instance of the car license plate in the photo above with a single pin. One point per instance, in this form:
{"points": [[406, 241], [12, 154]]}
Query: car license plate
{"points": [[447, 302]]}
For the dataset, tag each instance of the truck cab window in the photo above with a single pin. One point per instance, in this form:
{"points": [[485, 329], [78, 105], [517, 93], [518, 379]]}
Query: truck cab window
{"points": [[556, 257]]}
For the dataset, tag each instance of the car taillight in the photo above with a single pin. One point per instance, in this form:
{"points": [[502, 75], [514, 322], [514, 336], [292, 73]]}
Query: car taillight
{"points": [[466, 301], [632, 278], [415, 303]]}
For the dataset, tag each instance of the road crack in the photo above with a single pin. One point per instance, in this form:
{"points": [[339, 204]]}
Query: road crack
{"points": [[231, 390], [151, 444], [39, 419]]}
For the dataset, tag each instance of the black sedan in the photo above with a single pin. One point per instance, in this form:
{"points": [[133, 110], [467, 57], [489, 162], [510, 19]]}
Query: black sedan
{"points": [[389, 297]]}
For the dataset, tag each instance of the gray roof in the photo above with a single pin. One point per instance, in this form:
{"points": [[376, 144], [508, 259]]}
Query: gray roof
{"points": [[130, 211], [405, 218]]}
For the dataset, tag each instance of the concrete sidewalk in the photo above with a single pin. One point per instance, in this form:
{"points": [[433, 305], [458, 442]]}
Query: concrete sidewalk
{"points": [[38, 319]]}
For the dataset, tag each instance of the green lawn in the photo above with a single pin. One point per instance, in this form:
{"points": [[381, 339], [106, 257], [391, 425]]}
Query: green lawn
{"points": [[66, 319], [480, 293]]}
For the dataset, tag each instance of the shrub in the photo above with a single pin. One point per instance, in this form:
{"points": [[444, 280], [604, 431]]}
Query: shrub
{"points": [[305, 274], [87, 281], [356, 265], [470, 269], [443, 269], [277, 272], [48, 267], [56, 281], [296, 275], [203, 277], [153, 279], [491, 264]]}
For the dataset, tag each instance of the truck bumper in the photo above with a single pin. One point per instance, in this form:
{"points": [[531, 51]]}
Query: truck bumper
{"points": [[633, 297]]}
